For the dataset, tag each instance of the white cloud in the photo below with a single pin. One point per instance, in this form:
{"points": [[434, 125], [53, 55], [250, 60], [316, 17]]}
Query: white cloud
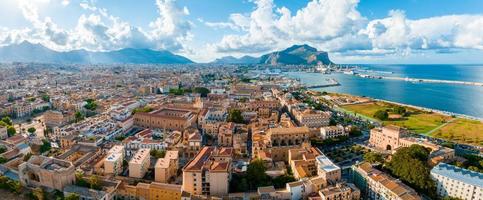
{"points": [[337, 26], [98, 30]]}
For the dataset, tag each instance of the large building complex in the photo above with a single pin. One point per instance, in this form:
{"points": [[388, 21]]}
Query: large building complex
{"points": [[166, 118], [48, 172], [457, 182]]}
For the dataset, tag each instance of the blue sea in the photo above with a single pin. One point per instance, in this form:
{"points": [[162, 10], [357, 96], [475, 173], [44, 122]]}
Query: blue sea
{"points": [[456, 98]]}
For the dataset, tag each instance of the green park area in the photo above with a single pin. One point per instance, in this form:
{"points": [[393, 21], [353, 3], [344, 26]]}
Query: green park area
{"points": [[423, 122], [462, 131], [390, 114]]}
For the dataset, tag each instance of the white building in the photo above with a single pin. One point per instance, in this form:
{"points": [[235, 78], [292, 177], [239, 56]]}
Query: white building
{"points": [[328, 132], [327, 169], [113, 160], [457, 182]]}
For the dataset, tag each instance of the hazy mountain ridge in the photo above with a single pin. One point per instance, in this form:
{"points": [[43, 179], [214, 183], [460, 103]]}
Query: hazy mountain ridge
{"points": [[28, 52]]}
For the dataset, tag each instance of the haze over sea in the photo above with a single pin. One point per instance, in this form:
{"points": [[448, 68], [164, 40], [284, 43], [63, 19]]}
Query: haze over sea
{"points": [[457, 98]]}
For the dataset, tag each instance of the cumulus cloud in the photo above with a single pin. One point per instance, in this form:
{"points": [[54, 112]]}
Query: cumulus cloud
{"points": [[338, 27], [98, 30], [271, 27]]}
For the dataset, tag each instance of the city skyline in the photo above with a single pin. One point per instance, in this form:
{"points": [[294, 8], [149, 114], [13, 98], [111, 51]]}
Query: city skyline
{"points": [[351, 31]]}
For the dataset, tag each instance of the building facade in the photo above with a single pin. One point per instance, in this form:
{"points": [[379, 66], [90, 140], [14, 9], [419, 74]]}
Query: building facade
{"points": [[457, 182], [139, 163]]}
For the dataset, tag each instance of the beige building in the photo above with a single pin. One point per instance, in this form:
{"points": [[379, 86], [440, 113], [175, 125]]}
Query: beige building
{"points": [[209, 172], [225, 134], [302, 162], [340, 191], [47, 172], [312, 118], [328, 132], [139, 163], [166, 118], [327, 169], [54, 118], [114, 160], [375, 184], [152, 191], [166, 168], [280, 140], [390, 138]]}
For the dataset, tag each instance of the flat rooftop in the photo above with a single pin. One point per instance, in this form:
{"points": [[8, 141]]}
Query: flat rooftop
{"points": [[326, 164], [140, 156]]}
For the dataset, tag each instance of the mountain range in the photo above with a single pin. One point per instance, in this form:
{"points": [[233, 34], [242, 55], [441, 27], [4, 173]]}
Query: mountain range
{"points": [[294, 55], [28, 52]]}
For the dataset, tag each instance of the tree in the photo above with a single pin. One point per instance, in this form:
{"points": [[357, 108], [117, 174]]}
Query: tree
{"points": [[256, 175], [31, 130], [373, 157], [78, 116], [144, 109], [94, 182], [91, 104], [381, 115], [355, 131], [72, 196], [202, 91], [3, 160], [3, 149], [45, 98], [410, 165], [400, 110], [38, 193], [7, 121], [235, 116], [46, 146], [157, 153], [473, 168], [281, 181]]}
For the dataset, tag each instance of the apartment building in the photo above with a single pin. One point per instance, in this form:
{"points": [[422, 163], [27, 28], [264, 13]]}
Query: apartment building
{"points": [[376, 185], [328, 132], [166, 168], [139, 163], [327, 169], [340, 191], [209, 172], [114, 159], [312, 118], [457, 182]]}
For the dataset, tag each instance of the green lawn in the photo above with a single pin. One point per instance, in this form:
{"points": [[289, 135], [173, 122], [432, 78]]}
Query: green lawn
{"points": [[462, 131], [418, 121]]}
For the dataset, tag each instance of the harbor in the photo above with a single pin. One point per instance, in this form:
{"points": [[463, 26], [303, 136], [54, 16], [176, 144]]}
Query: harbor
{"points": [[418, 80]]}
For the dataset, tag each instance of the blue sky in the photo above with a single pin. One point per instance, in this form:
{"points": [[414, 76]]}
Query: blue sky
{"points": [[352, 31]]}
